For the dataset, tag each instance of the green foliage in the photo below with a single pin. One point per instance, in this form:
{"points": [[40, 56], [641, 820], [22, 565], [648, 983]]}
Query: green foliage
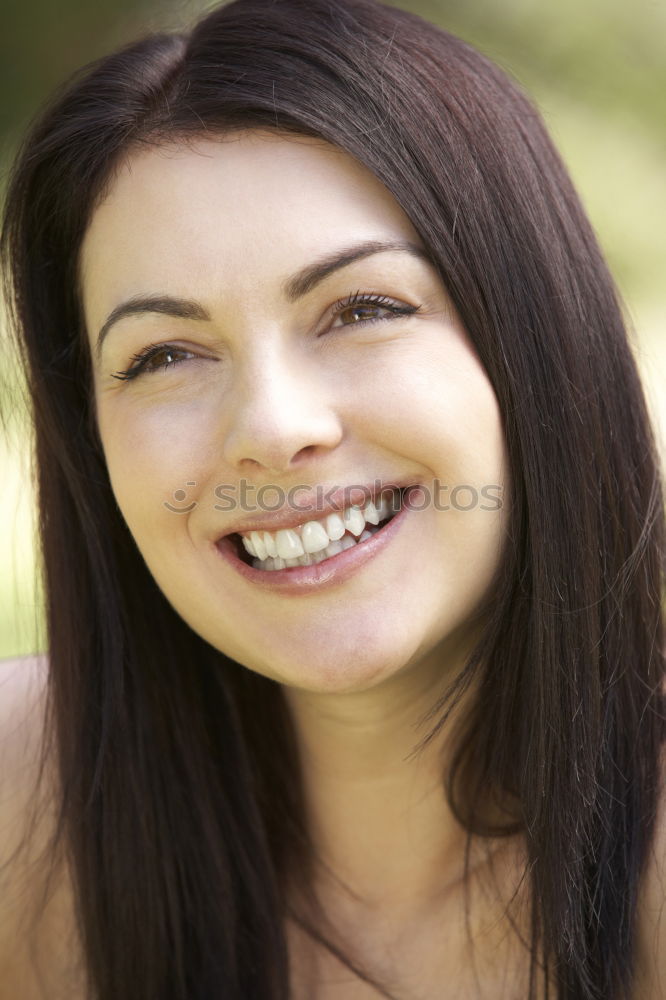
{"points": [[43, 42]]}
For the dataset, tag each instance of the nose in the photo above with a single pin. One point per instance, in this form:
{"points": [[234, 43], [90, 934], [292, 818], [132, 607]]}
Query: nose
{"points": [[280, 414]]}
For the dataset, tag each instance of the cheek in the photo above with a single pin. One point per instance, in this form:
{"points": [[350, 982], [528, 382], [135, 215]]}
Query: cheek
{"points": [[437, 407], [443, 415], [156, 460]]}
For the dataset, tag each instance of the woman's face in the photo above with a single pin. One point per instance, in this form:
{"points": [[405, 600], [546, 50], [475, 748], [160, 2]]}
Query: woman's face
{"points": [[263, 374]]}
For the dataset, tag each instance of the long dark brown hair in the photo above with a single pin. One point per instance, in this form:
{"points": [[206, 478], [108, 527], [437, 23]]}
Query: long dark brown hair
{"points": [[182, 806]]}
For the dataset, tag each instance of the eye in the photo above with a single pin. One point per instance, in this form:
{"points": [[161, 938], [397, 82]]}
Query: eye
{"points": [[152, 359], [362, 308]]}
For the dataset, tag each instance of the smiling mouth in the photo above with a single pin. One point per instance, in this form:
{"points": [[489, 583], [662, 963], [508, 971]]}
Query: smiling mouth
{"points": [[317, 540]]}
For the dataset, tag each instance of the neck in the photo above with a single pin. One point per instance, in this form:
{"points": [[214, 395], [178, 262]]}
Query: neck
{"points": [[377, 813]]}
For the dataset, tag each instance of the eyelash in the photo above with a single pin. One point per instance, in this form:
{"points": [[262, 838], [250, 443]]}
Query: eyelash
{"points": [[358, 299]]}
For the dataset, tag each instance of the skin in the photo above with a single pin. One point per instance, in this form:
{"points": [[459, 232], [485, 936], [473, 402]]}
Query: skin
{"points": [[286, 393]]}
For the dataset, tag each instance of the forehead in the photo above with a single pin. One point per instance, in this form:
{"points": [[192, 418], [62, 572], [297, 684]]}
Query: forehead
{"points": [[243, 203]]}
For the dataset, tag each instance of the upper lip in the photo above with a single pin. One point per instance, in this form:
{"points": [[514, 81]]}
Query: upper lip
{"points": [[311, 508]]}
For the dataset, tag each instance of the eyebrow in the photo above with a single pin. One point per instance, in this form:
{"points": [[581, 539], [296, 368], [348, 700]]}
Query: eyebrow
{"points": [[293, 288]]}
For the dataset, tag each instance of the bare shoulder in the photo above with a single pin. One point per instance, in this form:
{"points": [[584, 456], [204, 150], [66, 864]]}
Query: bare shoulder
{"points": [[22, 690], [651, 928], [36, 912], [22, 703]]}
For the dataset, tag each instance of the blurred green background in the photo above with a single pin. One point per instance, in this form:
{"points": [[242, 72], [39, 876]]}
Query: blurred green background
{"points": [[595, 68]]}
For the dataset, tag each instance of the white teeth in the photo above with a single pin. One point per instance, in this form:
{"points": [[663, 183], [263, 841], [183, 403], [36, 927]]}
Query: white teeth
{"points": [[317, 540], [248, 546], [288, 544], [314, 537], [311, 558], [335, 527], [258, 545], [353, 520], [370, 513], [269, 542], [386, 506]]}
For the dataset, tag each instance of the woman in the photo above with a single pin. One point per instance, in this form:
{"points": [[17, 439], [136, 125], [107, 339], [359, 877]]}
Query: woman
{"points": [[351, 521]]}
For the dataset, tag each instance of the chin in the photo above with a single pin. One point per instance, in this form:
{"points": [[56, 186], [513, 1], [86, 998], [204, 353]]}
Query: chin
{"points": [[336, 671]]}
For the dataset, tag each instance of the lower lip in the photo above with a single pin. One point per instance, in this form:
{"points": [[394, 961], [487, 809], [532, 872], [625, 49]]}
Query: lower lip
{"points": [[336, 569]]}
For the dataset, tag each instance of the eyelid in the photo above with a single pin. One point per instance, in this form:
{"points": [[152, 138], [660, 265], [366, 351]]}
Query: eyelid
{"points": [[394, 307], [377, 299], [144, 356]]}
